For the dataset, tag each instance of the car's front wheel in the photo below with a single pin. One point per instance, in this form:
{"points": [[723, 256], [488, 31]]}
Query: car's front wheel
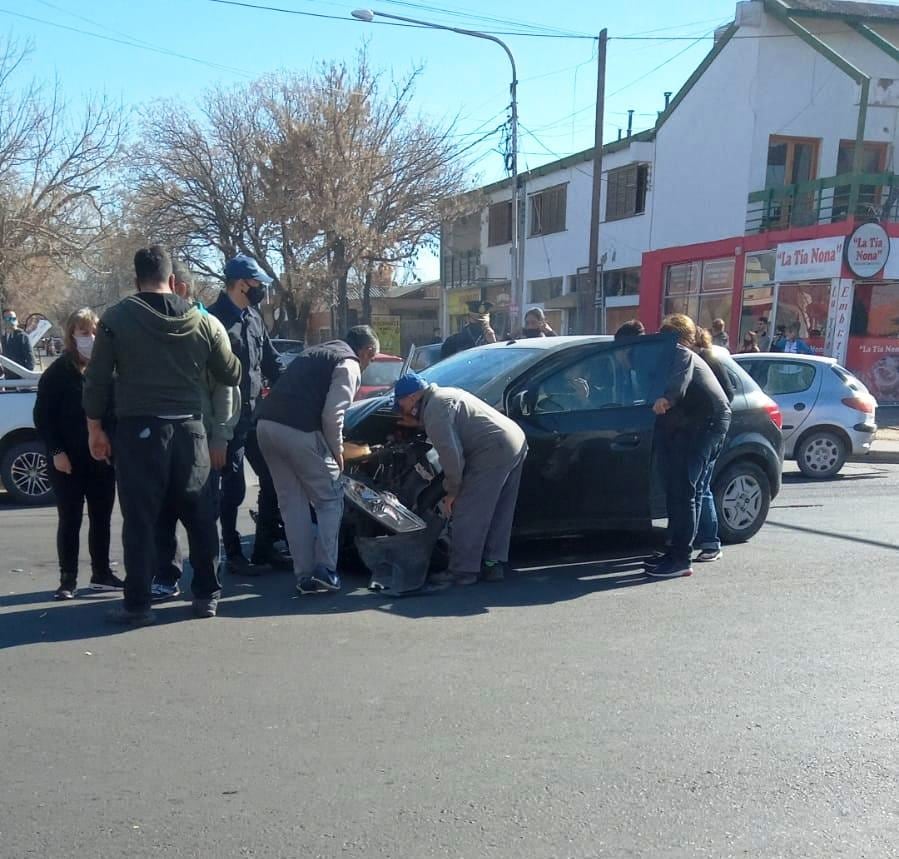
{"points": [[821, 455], [742, 498], [23, 473]]}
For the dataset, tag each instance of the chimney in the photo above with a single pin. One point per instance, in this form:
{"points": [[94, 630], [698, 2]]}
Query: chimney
{"points": [[630, 122], [667, 99], [619, 134]]}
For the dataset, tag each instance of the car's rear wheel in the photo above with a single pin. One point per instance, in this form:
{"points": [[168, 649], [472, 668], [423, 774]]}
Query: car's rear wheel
{"points": [[821, 454], [23, 473], [742, 498]]}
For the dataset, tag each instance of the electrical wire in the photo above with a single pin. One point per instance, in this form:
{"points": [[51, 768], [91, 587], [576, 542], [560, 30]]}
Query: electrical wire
{"points": [[346, 18], [128, 42]]}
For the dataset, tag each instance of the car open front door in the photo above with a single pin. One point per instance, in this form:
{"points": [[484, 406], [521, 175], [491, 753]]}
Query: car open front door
{"points": [[589, 424]]}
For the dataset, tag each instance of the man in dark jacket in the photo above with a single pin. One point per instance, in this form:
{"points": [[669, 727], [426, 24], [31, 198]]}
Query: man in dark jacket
{"points": [[300, 432], [693, 419], [14, 342], [235, 308], [155, 348], [476, 333]]}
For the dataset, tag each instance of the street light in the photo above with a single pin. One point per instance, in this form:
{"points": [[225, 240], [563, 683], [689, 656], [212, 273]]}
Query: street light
{"points": [[368, 15]]}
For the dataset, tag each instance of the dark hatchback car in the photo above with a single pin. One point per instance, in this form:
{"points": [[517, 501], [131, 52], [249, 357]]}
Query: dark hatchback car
{"points": [[585, 405]]}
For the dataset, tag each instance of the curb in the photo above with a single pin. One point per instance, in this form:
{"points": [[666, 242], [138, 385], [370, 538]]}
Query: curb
{"points": [[877, 457]]}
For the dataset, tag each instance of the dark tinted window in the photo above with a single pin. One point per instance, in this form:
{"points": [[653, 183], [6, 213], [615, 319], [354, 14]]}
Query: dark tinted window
{"points": [[472, 369]]}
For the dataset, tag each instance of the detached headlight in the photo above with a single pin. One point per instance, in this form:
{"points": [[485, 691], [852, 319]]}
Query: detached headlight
{"points": [[383, 507]]}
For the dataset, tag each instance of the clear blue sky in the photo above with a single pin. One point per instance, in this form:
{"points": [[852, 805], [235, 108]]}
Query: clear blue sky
{"points": [[463, 76]]}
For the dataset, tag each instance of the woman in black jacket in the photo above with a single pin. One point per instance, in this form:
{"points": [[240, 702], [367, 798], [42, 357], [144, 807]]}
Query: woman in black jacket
{"points": [[75, 475]]}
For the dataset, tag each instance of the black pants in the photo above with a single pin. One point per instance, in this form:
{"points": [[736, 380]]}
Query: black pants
{"points": [[92, 482], [234, 490], [164, 464], [168, 549]]}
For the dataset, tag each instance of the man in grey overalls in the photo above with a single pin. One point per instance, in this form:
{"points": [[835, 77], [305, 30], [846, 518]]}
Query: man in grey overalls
{"points": [[482, 454]]}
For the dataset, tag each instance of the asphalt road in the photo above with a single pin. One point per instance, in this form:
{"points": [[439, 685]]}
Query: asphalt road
{"points": [[578, 710]]}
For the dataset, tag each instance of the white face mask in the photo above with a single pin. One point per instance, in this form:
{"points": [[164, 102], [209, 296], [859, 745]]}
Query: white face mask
{"points": [[84, 343]]}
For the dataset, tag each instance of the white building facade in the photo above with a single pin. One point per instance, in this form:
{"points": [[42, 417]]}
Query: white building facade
{"points": [[741, 166]]}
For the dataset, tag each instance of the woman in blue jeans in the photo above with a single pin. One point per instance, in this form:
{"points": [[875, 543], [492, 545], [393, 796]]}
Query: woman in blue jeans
{"points": [[707, 541]]}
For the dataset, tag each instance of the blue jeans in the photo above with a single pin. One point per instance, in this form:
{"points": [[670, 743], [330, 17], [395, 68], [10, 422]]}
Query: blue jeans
{"points": [[706, 538], [687, 459]]}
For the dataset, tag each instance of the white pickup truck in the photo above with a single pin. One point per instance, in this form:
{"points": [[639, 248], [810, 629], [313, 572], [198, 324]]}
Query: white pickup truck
{"points": [[23, 457]]}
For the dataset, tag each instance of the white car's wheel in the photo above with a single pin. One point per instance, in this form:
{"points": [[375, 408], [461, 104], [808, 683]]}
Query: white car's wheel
{"points": [[24, 473], [821, 454]]}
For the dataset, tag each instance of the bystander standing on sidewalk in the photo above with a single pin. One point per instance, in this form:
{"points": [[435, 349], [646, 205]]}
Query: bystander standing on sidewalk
{"points": [[154, 347], [76, 477], [14, 342]]}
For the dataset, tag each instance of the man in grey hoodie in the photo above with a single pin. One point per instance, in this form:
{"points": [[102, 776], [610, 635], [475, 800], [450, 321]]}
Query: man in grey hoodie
{"points": [[155, 348], [482, 455]]}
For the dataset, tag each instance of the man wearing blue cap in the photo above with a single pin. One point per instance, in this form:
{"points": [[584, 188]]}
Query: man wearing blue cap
{"points": [[235, 308], [482, 455]]}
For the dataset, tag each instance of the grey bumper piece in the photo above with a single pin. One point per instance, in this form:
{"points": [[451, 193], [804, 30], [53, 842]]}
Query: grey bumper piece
{"points": [[399, 563]]}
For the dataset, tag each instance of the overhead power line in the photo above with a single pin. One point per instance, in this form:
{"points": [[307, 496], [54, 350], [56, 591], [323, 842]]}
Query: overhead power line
{"points": [[347, 19], [128, 42]]}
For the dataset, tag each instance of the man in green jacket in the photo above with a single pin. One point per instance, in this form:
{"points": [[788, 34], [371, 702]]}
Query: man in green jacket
{"points": [[154, 347]]}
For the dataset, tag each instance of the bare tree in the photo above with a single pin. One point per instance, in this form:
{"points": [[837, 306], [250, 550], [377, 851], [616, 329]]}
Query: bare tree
{"points": [[54, 175]]}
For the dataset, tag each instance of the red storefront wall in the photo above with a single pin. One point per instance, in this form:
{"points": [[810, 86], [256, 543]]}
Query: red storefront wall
{"points": [[655, 264]]}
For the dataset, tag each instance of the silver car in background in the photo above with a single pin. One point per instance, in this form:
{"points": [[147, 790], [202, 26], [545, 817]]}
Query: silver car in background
{"points": [[828, 414]]}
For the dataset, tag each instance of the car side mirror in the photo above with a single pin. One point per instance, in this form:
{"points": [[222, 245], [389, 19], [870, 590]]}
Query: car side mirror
{"points": [[518, 405]]}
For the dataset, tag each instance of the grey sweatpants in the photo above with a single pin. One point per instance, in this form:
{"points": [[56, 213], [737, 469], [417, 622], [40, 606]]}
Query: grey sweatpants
{"points": [[481, 527], [304, 472]]}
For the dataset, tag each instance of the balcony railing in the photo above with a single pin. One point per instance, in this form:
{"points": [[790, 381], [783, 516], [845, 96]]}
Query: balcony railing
{"points": [[866, 196], [460, 269]]}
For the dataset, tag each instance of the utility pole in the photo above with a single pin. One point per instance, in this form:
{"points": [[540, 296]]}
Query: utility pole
{"points": [[594, 290]]}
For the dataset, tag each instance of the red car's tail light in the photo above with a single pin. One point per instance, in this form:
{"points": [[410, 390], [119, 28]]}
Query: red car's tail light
{"points": [[773, 412], [861, 404]]}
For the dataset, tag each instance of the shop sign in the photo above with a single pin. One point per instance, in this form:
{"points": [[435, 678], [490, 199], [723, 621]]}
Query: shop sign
{"points": [[811, 260], [839, 319], [891, 270], [388, 330], [875, 360], [867, 250]]}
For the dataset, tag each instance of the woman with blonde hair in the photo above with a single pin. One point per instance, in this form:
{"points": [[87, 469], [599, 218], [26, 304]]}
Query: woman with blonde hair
{"points": [[76, 477], [693, 419]]}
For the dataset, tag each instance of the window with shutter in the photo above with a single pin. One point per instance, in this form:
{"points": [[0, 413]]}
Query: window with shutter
{"points": [[626, 191]]}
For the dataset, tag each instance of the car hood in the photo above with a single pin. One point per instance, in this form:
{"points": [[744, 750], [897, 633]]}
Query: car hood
{"points": [[361, 409]]}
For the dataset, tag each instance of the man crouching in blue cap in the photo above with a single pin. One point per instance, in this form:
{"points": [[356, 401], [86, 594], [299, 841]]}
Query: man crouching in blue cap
{"points": [[482, 454]]}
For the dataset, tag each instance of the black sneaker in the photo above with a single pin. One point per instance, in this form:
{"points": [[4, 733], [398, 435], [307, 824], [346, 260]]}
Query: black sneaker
{"points": [[161, 592], [124, 617], [671, 569], [493, 571], [107, 581], [327, 579], [205, 606], [238, 565], [66, 591], [272, 558], [655, 559]]}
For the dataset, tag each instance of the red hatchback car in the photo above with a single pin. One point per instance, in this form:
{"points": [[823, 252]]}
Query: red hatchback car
{"points": [[379, 376]]}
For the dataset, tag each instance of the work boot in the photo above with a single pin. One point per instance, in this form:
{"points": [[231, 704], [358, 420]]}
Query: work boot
{"points": [[493, 571], [124, 617]]}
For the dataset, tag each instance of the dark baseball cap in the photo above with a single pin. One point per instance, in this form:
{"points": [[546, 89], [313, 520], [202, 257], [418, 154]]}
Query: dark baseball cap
{"points": [[243, 267]]}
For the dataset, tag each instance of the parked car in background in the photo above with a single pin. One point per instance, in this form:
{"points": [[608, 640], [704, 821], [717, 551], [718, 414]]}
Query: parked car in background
{"points": [[585, 405], [23, 456], [288, 349], [828, 414], [380, 375]]}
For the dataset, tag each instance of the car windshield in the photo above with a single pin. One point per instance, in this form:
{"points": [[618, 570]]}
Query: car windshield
{"points": [[472, 369], [381, 373]]}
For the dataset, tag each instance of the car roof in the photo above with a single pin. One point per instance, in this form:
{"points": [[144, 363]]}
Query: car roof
{"points": [[810, 359], [548, 342]]}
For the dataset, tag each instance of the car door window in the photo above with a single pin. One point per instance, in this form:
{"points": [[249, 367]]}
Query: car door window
{"points": [[787, 377], [618, 377]]}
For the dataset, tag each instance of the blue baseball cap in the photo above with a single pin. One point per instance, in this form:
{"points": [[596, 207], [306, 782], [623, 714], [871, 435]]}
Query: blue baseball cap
{"points": [[411, 383], [244, 267]]}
